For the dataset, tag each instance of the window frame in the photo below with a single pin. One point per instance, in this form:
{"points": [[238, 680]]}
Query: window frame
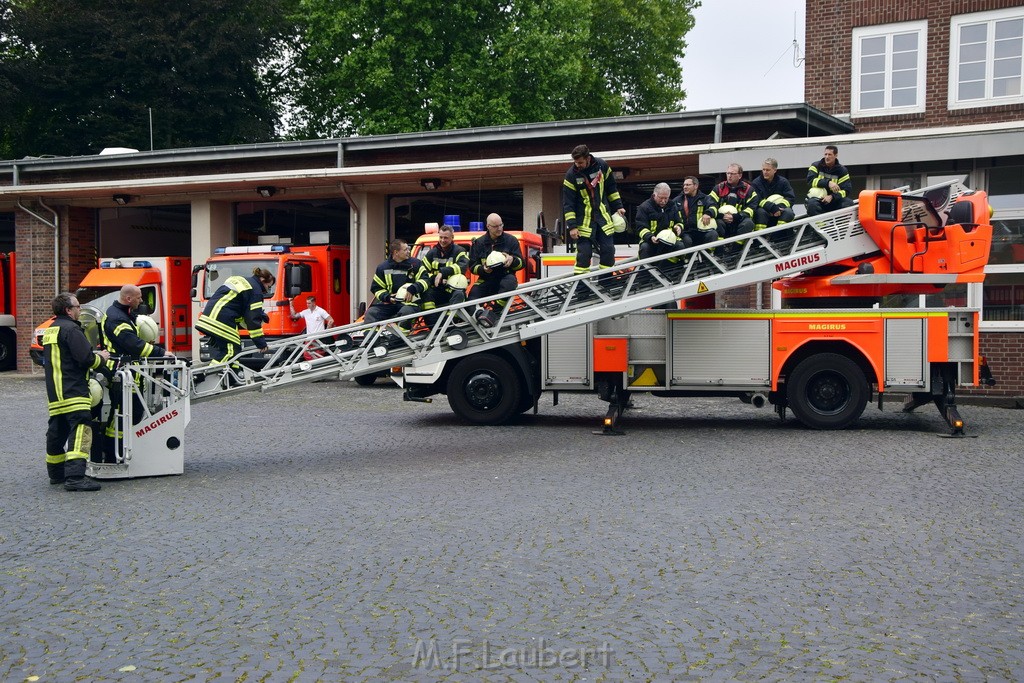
{"points": [[958, 21], [888, 31]]}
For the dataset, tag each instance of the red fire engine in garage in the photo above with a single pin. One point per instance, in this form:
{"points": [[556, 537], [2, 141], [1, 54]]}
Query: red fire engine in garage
{"points": [[8, 336], [164, 281], [321, 271]]}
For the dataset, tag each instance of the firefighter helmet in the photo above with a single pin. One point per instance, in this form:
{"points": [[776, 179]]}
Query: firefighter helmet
{"points": [[817, 193], [667, 236], [402, 291], [712, 225], [777, 199], [458, 281], [148, 329], [727, 208], [95, 392], [495, 258], [618, 222]]}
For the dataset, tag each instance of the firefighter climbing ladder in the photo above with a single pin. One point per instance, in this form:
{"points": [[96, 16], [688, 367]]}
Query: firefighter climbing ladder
{"points": [[556, 303]]}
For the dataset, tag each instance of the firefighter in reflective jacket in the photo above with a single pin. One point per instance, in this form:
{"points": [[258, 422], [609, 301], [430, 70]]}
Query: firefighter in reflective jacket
{"points": [[440, 263], [589, 196], [392, 286], [735, 200], [68, 358], [121, 337], [236, 303]]}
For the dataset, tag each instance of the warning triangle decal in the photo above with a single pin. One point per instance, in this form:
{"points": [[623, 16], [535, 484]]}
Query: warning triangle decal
{"points": [[702, 288]]}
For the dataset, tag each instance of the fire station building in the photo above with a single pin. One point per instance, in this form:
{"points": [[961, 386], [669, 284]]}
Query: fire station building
{"points": [[910, 95]]}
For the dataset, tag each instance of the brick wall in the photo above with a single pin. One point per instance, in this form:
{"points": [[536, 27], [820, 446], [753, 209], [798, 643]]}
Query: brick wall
{"points": [[1004, 352], [33, 243], [828, 68]]}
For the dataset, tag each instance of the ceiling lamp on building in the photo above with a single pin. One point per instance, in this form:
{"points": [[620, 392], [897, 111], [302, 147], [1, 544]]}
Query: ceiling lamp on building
{"points": [[266, 191], [430, 183], [122, 199]]}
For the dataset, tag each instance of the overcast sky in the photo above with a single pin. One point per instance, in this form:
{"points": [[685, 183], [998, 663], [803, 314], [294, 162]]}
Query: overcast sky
{"points": [[732, 51]]}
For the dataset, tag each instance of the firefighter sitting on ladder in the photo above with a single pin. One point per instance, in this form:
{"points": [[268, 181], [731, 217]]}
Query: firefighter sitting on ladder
{"points": [[494, 258], [392, 286], [236, 303], [442, 262]]}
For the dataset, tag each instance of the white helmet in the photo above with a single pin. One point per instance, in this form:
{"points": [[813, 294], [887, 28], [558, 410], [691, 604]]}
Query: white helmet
{"points": [[458, 281], [618, 222], [727, 208], [712, 225], [817, 192], [95, 392], [402, 291], [149, 331], [495, 258], [776, 199], [667, 236]]}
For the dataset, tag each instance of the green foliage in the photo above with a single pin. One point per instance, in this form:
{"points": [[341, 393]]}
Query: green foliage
{"points": [[83, 74], [387, 66]]}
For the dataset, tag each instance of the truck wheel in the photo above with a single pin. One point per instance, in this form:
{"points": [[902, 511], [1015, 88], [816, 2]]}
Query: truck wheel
{"points": [[366, 380], [7, 351], [827, 391], [484, 389]]}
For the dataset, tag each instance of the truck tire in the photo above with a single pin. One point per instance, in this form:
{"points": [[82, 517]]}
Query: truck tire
{"points": [[484, 389], [827, 391], [366, 380], [7, 350]]}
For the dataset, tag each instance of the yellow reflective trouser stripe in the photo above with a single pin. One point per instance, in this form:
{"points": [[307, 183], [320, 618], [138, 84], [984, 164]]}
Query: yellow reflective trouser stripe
{"points": [[69, 405], [56, 459], [81, 442], [218, 328]]}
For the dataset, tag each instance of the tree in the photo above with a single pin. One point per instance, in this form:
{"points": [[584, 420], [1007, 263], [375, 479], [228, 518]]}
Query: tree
{"points": [[84, 74], [387, 66]]}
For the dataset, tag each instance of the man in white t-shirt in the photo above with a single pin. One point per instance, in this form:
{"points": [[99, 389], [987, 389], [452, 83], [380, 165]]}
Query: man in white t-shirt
{"points": [[317, 319]]}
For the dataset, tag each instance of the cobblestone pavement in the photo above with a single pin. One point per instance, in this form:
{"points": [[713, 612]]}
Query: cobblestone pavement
{"points": [[334, 533]]}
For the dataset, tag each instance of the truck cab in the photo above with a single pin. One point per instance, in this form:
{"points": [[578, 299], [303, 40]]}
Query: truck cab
{"points": [[164, 283], [320, 271]]}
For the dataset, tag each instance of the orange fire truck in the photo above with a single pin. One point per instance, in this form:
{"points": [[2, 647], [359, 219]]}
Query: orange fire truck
{"points": [[164, 281], [823, 364], [8, 337], [598, 332], [321, 271]]}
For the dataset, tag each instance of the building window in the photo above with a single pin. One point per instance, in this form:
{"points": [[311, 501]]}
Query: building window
{"points": [[986, 59], [889, 69]]}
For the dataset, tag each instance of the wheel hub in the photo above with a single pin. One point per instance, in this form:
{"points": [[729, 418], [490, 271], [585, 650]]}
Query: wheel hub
{"points": [[483, 391]]}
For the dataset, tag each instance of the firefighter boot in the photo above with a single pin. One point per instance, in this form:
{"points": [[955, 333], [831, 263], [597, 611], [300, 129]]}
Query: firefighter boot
{"points": [[56, 472], [75, 479]]}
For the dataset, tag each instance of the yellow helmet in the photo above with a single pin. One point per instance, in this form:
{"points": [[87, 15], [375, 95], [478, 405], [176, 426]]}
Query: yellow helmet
{"points": [[776, 198], [95, 392], [458, 281], [147, 327], [618, 222], [667, 236], [817, 193], [712, 225], [727, 208]]}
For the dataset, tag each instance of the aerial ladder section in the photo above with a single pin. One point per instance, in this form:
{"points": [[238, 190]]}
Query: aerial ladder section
{"points": [[557, 303]]}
